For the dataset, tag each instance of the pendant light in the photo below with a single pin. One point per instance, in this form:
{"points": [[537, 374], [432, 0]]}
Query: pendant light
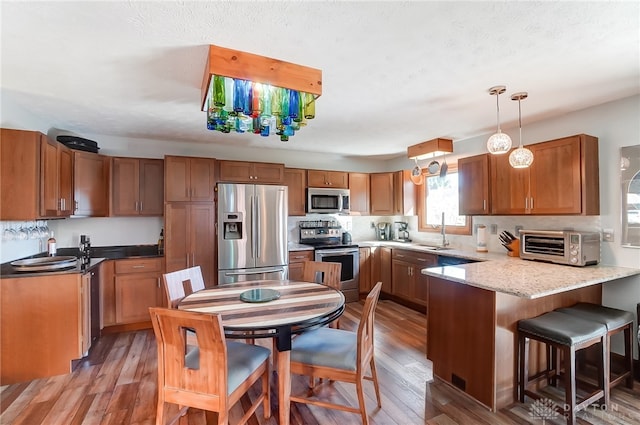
{"points": [[521, 157], [500, 142]]}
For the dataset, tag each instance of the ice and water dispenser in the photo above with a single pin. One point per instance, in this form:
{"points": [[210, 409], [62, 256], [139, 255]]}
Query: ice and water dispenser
{"points": [[232, 226]]}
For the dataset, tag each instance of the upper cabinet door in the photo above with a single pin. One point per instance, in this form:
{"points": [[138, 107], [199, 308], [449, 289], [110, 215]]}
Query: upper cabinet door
{"points": [[125, 186], [50, 202], [177, 183], [151, 187], [509, 187], [251, 172], [332, 179], [296, 181], [189, 179], [90, 184], [203, 180], [359, 193], [382, 199], [137, 187], [473, 185], [56, 179]]}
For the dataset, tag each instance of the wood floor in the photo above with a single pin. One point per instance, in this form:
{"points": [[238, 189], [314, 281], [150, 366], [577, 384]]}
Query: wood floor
{"points": [[116, 384]]}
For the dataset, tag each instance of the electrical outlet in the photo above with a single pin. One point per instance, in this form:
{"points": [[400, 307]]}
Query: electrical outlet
{"points": [[373, 225], [607, 235], [517, 230], [494, 229]]}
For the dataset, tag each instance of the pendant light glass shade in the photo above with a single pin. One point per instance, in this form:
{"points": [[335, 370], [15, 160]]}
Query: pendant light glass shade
{"points": [[500, 142], [521, 157]]}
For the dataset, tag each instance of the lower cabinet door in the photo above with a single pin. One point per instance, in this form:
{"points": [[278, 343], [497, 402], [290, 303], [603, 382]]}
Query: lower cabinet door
{"points": [[134, 295]]}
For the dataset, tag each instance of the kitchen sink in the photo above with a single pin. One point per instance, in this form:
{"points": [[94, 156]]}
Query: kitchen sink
{"points": [[433, 247]]}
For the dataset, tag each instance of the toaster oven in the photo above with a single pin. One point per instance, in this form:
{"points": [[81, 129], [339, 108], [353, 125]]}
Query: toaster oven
{"points": [[560, 246]]}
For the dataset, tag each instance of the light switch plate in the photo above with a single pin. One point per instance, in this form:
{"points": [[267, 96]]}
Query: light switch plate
{"points": [[494, 229], [607, 235]]}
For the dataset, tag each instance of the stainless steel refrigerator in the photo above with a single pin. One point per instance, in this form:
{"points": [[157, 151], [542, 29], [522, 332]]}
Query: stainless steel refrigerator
{"points": [[252, 232]]}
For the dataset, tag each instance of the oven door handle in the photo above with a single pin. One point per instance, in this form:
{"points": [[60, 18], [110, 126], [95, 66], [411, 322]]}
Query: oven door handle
{"points": [[328, 253]]}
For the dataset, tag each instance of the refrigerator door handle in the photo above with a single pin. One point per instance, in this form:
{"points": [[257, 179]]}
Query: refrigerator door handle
{"points": [[253, 227], [258, 234], [261, 271]]}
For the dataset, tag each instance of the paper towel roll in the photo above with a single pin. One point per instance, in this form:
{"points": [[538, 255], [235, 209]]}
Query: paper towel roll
{"points": [[481, 244]]}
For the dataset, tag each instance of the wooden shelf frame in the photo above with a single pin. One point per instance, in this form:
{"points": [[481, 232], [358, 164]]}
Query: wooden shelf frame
{"points": [[248, 66]]}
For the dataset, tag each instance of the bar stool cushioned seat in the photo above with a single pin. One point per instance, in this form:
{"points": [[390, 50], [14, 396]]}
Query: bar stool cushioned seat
{"points": [[569, 334], [616, 321]]}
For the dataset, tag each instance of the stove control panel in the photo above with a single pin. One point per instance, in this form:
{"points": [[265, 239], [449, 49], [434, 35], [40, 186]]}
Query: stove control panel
{"points": [[319, 231]]}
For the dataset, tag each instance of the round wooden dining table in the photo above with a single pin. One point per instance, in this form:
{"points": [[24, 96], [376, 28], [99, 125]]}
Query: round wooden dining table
{"points": [[270, 309]]}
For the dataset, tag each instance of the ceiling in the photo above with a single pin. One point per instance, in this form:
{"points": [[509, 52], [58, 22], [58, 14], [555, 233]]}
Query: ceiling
{"points": [[394, 73]]}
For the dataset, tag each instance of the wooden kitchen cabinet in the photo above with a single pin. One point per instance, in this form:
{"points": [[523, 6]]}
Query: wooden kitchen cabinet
{"points": [[324, 178], [190, 238], [408, 281], [137, 187], [251, 172], [36, 176], [189, 179], [382, 198], [563, 180], [359, 189], [404, 193], [365, 284], [296, 263], [381, 267], [90, 184], [43, 325], [296, 181], [392, 193], [56, 179], [137, 287], [474, 186]]}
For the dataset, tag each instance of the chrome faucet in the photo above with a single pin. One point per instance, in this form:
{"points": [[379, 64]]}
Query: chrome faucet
{"points": [[445, 242]]}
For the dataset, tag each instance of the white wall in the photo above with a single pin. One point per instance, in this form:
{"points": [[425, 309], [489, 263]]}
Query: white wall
{"points": [[616, 125]]}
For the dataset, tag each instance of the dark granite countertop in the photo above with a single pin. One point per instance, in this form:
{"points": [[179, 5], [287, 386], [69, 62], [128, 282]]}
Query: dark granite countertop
{"points": [[98, 254]]}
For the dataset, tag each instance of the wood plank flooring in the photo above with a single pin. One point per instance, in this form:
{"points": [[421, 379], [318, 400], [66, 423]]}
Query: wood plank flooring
{"points": [[116, 384]]}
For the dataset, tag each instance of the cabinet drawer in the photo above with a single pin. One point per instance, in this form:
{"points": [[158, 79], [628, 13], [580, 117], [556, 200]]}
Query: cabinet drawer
{"points": [[419, 258], [300, 256], [142, 265]]}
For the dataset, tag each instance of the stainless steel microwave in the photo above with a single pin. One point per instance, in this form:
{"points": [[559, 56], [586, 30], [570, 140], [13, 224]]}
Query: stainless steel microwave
{"points": [[327, 201], [562, 246]]}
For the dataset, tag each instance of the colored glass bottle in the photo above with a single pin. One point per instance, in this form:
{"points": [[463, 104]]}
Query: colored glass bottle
{"points": [[238, 95], [294, 104], [309, 106], [218, 91]]}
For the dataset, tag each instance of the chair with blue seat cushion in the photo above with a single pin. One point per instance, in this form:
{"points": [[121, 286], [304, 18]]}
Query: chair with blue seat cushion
{"points": [[567, 334], [616, 321], [211, 377], [339, 355]]}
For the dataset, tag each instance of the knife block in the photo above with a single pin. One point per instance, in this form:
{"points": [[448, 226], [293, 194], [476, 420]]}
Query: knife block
{"points": [[515, 248]]}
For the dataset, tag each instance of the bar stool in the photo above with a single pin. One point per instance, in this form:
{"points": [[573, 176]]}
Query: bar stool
{"points": [[616, 321], [567, 334]]}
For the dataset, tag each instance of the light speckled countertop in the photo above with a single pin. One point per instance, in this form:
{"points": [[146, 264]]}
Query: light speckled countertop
{"points": [[528, 279], [509, 275]]}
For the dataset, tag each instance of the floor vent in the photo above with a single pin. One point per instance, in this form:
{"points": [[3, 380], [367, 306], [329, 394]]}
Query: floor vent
{"points": [[458, 382]]}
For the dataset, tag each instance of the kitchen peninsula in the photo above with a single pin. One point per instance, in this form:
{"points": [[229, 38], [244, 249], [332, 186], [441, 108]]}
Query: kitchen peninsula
{"points": [[473, 313]]}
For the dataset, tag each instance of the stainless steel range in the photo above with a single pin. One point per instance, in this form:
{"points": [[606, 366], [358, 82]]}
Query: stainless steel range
{"points": [[326, 238]]}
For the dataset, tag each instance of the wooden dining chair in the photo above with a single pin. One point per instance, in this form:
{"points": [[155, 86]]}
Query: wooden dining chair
{"points": [[214, 376], [339, 355], [323, 272], [181, 283]]}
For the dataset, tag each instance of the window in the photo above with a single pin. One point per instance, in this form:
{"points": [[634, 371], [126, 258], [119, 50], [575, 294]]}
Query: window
{"points": [[438, 195]]}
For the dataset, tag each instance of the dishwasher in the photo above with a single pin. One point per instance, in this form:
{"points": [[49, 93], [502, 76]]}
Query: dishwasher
{"points": [[444, 260]]}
